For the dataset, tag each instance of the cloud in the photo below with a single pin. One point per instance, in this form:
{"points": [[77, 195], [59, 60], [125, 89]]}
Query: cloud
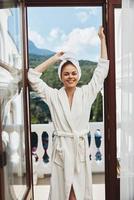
{"points": [[56, 33], [85, 13], [38, 40], [82, 16], [90, 10], [55, 37], [79, 39], [84, 43]]}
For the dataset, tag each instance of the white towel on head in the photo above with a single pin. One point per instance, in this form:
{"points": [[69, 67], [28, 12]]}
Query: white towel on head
{"points": [[68, 56]]}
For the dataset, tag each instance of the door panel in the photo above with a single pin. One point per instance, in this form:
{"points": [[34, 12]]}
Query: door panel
{"points": [[13, 102]]}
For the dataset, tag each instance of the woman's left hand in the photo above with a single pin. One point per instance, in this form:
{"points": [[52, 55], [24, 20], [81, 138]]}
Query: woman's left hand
{"points": [[101, 33]]}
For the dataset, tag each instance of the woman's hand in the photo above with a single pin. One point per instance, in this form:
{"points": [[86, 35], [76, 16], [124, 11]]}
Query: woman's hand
{"points": [[58, 55], [53, 59], [101, 33], [103, 43]]}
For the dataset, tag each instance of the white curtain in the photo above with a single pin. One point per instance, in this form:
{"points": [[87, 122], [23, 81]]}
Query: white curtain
{"points": [[127, 100]]}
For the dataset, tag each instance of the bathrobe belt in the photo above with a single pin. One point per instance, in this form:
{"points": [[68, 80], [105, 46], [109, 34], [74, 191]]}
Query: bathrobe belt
{"points": [[76, 136]]}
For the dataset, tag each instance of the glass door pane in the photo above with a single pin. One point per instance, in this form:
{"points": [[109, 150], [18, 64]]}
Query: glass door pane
{"points": [[117, 17], [11, 96]]}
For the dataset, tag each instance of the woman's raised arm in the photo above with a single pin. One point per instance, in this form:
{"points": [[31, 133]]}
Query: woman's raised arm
{"points": [[103, 43], [43, 66]]}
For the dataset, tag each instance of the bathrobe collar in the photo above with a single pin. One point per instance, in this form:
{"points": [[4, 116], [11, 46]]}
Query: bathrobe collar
{"points": [[66, 107]]}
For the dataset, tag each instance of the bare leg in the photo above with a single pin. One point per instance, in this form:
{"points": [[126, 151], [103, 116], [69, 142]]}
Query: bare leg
{"points": [[72, 194]]}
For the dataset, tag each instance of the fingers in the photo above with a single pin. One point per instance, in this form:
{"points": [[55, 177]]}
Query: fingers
{"points": [[101, 28], [58, 55], [101, 32], [61, 53]]}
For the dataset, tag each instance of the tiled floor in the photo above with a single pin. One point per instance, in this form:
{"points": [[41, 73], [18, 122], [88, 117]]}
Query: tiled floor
{"points": [[41, 192]]}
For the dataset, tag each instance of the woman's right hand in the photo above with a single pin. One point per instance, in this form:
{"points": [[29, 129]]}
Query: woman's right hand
{"points": [[58, 55], [52, 60]]}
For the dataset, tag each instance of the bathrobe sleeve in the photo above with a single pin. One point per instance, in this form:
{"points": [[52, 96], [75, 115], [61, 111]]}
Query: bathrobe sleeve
{"points": [[39, 86], [96, 83]]}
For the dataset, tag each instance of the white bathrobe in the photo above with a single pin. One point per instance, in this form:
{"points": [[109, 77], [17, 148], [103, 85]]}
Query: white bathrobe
{"points": [[70, 156]]}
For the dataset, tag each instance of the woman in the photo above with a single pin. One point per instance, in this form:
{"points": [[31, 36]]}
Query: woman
{"points": [[70, 109]]}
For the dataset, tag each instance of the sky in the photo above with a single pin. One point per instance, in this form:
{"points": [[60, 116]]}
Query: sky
{"points": [[72, 29]]}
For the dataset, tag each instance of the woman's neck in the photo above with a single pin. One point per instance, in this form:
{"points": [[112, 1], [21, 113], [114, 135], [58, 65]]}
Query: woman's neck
{"points": [[70, 91]]}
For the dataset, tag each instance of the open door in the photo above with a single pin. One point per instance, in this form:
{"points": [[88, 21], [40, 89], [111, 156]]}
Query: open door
{"points": [[15, 149], [111, 181]]}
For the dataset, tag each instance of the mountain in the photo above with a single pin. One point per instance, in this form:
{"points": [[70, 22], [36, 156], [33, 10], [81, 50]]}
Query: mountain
{"points": [[37, 51]]}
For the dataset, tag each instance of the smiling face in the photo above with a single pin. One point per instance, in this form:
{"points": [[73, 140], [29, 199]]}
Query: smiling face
{"points": [[69, 75]]}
